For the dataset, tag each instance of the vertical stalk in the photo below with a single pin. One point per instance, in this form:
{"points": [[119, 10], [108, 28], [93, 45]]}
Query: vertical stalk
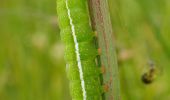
{"points": [[101, 22]]}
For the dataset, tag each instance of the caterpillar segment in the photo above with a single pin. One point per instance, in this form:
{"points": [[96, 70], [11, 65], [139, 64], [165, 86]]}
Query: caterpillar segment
{"points": [[80, 50]]}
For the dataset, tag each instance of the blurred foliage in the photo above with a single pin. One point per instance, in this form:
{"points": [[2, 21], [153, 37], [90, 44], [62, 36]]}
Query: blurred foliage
{"points": [[31, 54], [142, 35]]}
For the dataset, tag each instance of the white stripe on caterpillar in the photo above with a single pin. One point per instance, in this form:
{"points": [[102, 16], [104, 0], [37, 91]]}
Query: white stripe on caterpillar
{"points": [[77, 52]]}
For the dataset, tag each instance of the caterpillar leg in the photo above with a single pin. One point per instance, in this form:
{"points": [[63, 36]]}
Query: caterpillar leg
{"points": [[99, 51], [104, 88], [102, 69]]}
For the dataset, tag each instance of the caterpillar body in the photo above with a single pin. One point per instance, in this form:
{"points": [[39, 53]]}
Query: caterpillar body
{"points": [[80, 50]]}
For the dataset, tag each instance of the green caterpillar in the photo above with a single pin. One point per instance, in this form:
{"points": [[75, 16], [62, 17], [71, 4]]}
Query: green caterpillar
{"points": [[80, 49]]}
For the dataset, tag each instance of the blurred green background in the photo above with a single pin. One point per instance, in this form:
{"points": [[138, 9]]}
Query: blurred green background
{"points": [[31, 54]]}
